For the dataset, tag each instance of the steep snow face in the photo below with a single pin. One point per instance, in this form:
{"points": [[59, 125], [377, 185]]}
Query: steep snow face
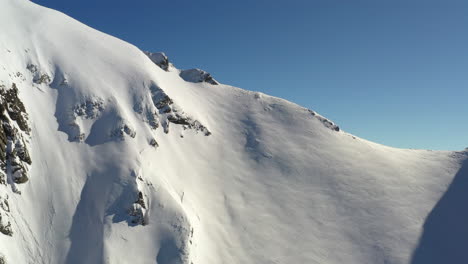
{"points": [[130, 163]]}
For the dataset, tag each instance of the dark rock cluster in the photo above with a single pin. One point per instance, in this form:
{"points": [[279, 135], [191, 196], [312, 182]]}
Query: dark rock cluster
{"points": [[153, 143], [5, 225], [14, 154], [326, 122], [159, 58], [87, 109], [198, 76], [38, 77], [137, 212], [190, 75], [5, 228], [171, 114], [90, 109], [123, 130]]}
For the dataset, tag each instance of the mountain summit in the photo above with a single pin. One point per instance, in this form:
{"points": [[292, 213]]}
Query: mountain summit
{"points": [[113, 155]]}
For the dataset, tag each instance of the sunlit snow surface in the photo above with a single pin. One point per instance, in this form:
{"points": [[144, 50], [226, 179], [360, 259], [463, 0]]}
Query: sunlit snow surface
{"points": [[271, 183]]}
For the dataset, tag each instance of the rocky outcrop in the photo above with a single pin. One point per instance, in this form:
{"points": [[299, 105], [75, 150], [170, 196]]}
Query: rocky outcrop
{"points": [[89, 109], [188, 123], [38, 77], [5, 225], [198, 76], [153, 143], [167, 112], [170, 113], [138, 210], [79, 119], [190, 75], [14, 154], [326, 122], [122, 130], [13, 106], [159, 58]]}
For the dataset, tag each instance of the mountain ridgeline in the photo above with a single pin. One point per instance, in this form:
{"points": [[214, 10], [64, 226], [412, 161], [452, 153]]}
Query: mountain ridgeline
{"points": [[110, 154]]}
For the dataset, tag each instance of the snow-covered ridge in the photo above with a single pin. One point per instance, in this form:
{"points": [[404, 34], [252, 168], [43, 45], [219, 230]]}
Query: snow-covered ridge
{"points": [[127, 161], [197, 76], [190, 75]]}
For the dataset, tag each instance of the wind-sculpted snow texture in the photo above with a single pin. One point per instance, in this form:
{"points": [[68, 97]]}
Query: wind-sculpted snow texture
{"points": [[124, 161]]}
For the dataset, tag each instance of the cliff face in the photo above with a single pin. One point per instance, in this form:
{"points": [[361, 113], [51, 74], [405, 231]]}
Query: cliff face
{"points": [[111, 155]]}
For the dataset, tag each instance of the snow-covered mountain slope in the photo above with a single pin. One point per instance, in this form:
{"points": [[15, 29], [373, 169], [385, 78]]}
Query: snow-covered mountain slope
{"points": [[109, 158]]}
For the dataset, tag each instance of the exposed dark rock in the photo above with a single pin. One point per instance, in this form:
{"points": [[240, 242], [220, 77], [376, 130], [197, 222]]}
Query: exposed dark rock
{"points": [[123, 130], [326, 122], [22, 151], [170, 114], [164, 103], [14, 127], [129, 131], [8, 130], [154, 143], [4, 205], [5, 225], [188, 123], [148, 113], [166, 126], [138, 108], [179, 120], [137, 212], [32, 68], [43, 78], [21, 176], [152, 119], [38, 78], [5, 228], [198, 76], [80, 137], [140, 200], [89, 109], [14, 106], [159, 59]]}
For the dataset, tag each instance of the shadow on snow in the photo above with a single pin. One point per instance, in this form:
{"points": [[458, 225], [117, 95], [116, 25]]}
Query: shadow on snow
{"points": [[445, 235]]}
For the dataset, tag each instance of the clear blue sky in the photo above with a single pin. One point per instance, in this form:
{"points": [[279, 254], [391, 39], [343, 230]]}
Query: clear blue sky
{"points": [[394, 72]]}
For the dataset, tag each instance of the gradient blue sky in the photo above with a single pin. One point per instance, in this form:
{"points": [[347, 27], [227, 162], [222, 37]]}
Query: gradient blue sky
{"points": [[394, 72]]}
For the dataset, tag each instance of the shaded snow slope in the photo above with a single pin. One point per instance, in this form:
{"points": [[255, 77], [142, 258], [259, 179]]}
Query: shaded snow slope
{"points": [[132, 164]]}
